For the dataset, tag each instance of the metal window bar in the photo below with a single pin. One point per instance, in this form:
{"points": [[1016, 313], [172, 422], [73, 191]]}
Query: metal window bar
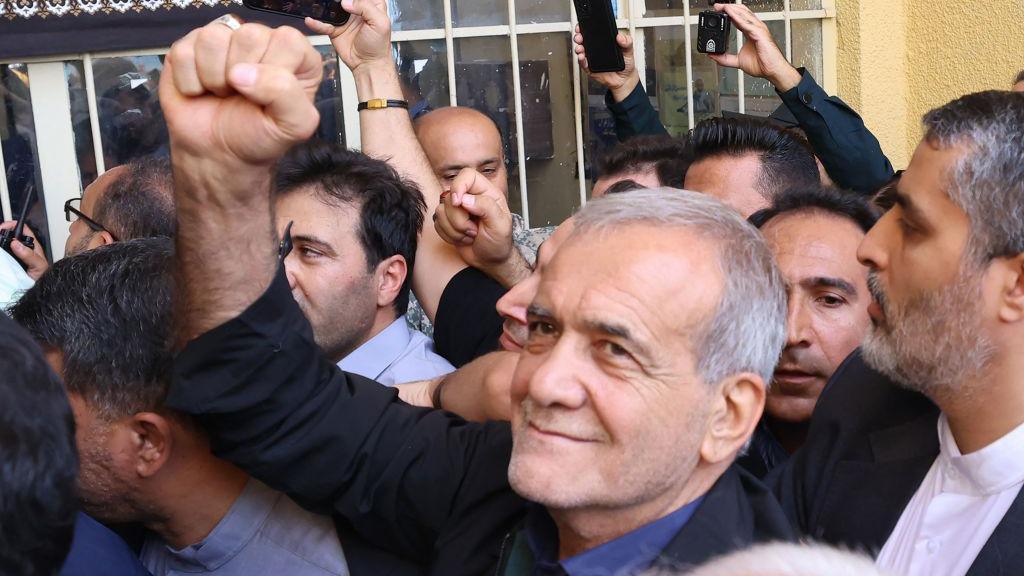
{"points": [[5, 198], [577, 101], [94, 117], [633, 19], [517, 91]]}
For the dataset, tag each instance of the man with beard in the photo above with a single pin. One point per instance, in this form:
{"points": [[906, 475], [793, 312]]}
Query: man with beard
{"points": [[813, 234], [917, 456]]}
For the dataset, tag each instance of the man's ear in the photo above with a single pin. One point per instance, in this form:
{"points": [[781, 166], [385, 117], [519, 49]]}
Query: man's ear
{"points": [[1011, 306], [100, 239], [152, 442], [390, 275], [736, 407]]}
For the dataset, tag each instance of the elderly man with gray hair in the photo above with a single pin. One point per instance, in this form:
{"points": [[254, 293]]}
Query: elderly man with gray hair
{"points": [[643, 377]]}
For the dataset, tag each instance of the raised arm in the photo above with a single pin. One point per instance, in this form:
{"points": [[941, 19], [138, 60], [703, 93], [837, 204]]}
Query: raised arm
{"points": [[406, 479], [364, 45], [849, 151], [630, 107], [234, 101]]}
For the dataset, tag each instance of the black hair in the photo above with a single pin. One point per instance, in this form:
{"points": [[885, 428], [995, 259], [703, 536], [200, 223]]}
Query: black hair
{"points": [[139, 203], [38, 461], [622, 186], [108, 311], [1020, 77], [786, 160], [829, 200], [390, 208], [665, 155]]}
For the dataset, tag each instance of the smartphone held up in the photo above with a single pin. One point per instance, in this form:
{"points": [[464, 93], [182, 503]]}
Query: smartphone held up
{"points": [[597, 24], [329, 11]]}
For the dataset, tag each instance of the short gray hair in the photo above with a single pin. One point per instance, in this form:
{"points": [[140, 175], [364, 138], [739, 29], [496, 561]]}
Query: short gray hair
{"points": [[748, 328], [988, 182]]}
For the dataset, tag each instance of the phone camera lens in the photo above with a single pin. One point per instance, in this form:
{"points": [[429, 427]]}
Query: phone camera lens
{"points": [[713, 21]]}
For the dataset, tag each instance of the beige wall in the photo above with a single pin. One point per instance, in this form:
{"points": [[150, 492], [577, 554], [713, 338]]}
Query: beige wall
{"points": [[897, 59]]}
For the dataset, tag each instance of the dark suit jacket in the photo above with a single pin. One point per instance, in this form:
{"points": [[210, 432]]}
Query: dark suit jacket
{"points": [[412, 490], [870, 445], [849, 151], [738, 511]]}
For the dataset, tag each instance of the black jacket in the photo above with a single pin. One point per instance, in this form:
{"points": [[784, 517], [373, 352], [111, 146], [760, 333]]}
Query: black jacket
{"points": [[412, 490], [870, 445], [849, 151]]}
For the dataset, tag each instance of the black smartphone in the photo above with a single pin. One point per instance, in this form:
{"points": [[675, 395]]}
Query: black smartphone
{"points": [[329, 11], [597, 24]]}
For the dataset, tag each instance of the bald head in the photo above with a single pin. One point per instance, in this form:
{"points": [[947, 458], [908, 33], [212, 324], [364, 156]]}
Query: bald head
{"points": [[455, 138]]}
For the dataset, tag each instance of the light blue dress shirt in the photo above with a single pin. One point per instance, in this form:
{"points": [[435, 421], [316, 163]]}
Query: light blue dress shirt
{"points": [[264, 532], [396, 355]]}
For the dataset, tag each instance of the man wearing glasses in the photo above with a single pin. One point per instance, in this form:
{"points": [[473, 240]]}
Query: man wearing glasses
{"points": [[131, 201]]}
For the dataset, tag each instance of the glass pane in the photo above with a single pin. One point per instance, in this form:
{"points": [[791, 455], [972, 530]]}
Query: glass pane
{"points": [[765, 5], [714, 88], [423, 67], [21, 159], [328, 100], [759, 97], [540, 11], [654, 8], [599, 128], [416, 14], [131, 122], [804, 5], [549, 127], [807, 46], [479, 12], [483, 72], [85, 152]]}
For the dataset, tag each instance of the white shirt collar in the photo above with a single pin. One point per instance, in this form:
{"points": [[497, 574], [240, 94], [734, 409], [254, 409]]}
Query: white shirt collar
{"points": [[988, 471]]}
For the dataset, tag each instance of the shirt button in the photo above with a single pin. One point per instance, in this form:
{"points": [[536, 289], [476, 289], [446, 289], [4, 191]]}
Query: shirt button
{"points": [[807, 98], [933, 546]]}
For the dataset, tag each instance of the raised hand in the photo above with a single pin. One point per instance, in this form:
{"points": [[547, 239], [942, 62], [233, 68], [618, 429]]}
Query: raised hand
{"points": [[760, 55], [33, 258], [475, 218], [365, 39], [620, 83], [242, 95]]}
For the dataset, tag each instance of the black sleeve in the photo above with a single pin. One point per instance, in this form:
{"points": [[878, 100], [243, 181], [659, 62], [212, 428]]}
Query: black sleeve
{"points": [[422, 483], [467, 325], [634, 116], [849, 151]]}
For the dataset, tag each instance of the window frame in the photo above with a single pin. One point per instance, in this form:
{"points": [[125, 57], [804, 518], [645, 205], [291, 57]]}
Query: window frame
{"points": [[52, 113]]}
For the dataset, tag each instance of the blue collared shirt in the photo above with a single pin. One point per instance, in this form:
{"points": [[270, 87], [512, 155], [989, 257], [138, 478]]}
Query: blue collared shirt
{"points": [[264, 532], [627, 555], [395, 356], [96, 550]]}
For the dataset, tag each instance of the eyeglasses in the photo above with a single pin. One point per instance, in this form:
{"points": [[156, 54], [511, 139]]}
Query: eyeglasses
{"points": [[72, 213]]}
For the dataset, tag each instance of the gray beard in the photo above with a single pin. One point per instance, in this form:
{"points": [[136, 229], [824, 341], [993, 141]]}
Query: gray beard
{"points": [[934, 343]]}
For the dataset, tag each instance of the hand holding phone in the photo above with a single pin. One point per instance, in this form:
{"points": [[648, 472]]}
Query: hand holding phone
{"points": [[365, 40], [760, 56], [620, 83], [597, 24], [324, 10]]}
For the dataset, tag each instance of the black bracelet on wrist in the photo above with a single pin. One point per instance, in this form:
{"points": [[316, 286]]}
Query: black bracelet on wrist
{"points": [[382, 103]]}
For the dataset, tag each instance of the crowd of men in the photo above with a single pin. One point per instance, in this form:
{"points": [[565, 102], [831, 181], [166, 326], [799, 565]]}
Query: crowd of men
{"points": [[758, 350]]}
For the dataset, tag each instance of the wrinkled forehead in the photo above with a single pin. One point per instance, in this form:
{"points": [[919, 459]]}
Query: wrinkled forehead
{"points": [[670, 277]]}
